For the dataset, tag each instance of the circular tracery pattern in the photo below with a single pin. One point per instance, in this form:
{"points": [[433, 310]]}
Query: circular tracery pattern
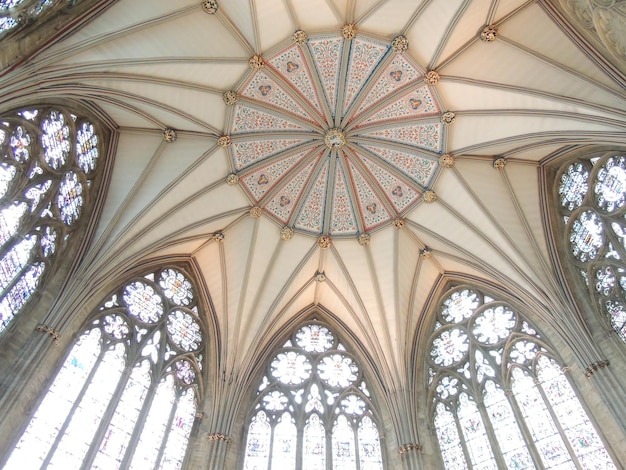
{"points": [[592, 196], [335, 146], [48, 158]]}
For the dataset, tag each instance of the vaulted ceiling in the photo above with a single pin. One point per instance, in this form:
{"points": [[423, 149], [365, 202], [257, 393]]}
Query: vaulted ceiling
{"points": [[152, 65]]}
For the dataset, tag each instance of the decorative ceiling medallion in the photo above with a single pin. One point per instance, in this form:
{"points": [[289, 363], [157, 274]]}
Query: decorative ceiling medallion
{"points": [[334, 139], [400, 44], [255, 212], [256, 62], [447, 160], [232, 179], [448, 117], [324, 241], [210, 6], [432, 77], [364, 239], [230, 98], [499, 163], [286, 233], [489, 33], [169, 136], [349, 31], [224, 141], [300, 37], [430, 197], [369, 167]]}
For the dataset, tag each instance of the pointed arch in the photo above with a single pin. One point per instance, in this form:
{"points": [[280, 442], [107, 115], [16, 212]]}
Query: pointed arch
{"points": [[496, 392], [586, 205], [127, 393], [55, 161], [312, 407]]}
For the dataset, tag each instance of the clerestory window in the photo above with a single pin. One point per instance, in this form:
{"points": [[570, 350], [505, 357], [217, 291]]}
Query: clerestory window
{"points": [[127, 393], [50, 159], [313, 410], [498, 395]]}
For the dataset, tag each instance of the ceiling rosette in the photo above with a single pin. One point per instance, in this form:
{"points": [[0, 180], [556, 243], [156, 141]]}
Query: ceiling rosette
{"points": [[336, 136]]}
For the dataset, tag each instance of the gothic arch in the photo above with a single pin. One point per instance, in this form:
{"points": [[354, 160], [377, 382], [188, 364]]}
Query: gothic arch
{"points": [[182, 334], [350, 346], [446, 399]]}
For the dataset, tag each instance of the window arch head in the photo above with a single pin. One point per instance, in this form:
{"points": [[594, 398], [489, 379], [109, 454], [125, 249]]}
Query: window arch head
{"points": [[498, 397], [591, 201], [127, 393], [312, 406], [51, 162]]}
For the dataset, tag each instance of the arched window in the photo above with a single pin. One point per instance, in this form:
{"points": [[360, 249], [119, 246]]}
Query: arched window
{"points": [[499, 397], [127, 393], [313, 409], [48, 162], [592, 196], [14, 12]]}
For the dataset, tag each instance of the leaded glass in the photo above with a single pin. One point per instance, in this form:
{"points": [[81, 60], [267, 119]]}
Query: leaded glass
{"points": [[476, 419], [14, 12], [314, 447], [285, 443], [448, 437], [125, 396], [312, 405], [45, 179], [258, 443], [184, 330], [595, 227], [574, 185], [338, 370], [449, 347], [344, 450]]}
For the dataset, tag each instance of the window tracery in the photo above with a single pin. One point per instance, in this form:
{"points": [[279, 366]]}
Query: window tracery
{"points": [[499, 397], [313, 410], [592, 197], [14, 12], [127, 393], [48, 160]]}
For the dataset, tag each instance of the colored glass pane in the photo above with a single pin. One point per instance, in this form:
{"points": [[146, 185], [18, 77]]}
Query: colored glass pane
{"points": [[45, 178], [593, 195], [574, 185], [103, 399], [504, 350], [258, 443], [449, 347], [285, 443], [184, 330], [344, 450], [312, 409]]}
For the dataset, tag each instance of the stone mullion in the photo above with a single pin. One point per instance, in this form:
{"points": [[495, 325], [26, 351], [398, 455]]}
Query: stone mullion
{"points": [[141, 421], [523, 427], [557, 423], [106, 418], [270, 449], [355, 430], [79, 398], [168, 429], [462, 440], [329, 447], [488, 426]]}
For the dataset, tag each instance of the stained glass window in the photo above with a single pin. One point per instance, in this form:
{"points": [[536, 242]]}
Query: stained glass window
{"points": [[127, 392], [592, 197], [14, 12], [48, 162], [313, 410], [500, 399]]}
